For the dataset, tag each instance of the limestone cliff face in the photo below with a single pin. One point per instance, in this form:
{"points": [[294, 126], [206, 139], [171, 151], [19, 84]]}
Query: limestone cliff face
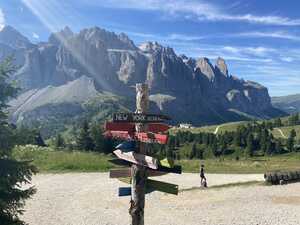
{"points": [[190, 90]]}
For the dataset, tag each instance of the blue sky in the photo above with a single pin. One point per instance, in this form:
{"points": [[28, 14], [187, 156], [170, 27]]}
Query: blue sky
{"points": [[259, 39]]}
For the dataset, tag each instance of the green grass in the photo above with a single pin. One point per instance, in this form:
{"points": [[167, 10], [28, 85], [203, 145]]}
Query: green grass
{"points": [[48, 160], [286, 131], [245, 166]]}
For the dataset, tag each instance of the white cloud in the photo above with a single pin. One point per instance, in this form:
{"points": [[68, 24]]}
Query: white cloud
{"points": [[2, 19], [35, 35], [287, 59], [256, 51], [275, 34], [192, 9]]}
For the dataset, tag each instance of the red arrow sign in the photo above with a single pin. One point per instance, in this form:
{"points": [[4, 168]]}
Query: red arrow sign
{"points": [[158, 127], [118, 134], [152, 138], [136, 158], [130, 127]]}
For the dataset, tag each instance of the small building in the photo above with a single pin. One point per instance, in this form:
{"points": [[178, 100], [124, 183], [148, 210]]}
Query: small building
{"points": [[185, 125]]}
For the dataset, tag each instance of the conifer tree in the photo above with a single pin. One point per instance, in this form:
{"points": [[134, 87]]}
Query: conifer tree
{"points": [[98, 138], [84, 140], [250, 145], [13, 173], [59, 141]]}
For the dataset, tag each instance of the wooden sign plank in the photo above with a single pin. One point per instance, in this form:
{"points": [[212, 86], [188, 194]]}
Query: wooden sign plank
{"points": [[158, 127], [120, 162], [139, 118], [136, 158], [126, 172], [167, 162], [117, 173], [174, 169], [113, 126], [152, 138], [130, 127], [124, 191], [155, 173], [125, 135], [162, 186]]}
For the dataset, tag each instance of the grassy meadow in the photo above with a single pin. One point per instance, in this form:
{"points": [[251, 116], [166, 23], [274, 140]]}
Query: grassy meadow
{"points": [[48, 160]]}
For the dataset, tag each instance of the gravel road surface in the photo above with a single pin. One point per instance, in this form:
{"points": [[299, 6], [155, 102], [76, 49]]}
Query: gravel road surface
{"points": [[91, 199]]}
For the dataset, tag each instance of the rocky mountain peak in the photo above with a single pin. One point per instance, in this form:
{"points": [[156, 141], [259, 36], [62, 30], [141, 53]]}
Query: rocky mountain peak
{"points": [[63, 35], [152, 47], [221, 66], [109, 39], [13, 38], [205, 67]]}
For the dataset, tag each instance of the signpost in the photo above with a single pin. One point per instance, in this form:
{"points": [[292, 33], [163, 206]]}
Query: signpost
{"points": [[139, 117], [142, 128]]}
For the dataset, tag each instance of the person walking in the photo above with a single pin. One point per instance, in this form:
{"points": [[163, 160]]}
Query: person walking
{"points": [[202, 176]]}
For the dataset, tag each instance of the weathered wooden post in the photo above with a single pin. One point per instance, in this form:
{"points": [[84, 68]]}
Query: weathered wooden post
{"points": [[139, 175], [140, 129]]}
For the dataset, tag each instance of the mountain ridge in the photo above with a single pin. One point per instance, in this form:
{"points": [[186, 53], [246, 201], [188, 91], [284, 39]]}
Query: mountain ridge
{"points": [[189, 90]]}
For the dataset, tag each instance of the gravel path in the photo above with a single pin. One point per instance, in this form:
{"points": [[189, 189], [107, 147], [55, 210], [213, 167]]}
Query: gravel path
{"points": [[91, 199]]}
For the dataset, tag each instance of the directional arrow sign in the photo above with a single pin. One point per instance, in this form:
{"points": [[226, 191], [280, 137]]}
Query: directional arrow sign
{"points": [[117, 173], [174, 169], [152, 138], [130, 127], [113, 126], [162, 186], [126, 172], [126, 191], [139, 118], [136, 158], [118, 134]]}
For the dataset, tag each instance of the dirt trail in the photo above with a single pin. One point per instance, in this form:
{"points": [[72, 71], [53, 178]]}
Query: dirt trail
{"points": [[281, 133]]}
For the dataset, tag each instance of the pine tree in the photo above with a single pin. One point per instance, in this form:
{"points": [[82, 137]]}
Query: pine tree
{"points": [[250, 145], [193, 152], [84, 140], [59, 141], [98, 138], [13, 173], [291, 140]]}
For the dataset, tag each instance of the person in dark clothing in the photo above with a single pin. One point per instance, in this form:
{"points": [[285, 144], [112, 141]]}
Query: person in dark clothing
{"points": [[202, 176]]}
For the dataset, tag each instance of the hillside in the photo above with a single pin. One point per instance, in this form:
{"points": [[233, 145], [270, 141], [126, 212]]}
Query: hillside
{"points": [[289, 103], [278, 132], [72, 68]]}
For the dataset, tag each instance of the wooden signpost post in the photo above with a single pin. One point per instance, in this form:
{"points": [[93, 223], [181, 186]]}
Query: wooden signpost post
{"points": [[140, 129]]}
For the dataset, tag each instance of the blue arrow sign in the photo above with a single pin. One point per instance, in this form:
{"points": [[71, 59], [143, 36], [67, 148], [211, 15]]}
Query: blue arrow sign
{"points": [[127, 146]]}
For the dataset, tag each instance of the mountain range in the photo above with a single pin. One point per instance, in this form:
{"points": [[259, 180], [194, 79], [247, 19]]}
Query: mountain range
{"points": [[61, 76], [289, 104]]}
